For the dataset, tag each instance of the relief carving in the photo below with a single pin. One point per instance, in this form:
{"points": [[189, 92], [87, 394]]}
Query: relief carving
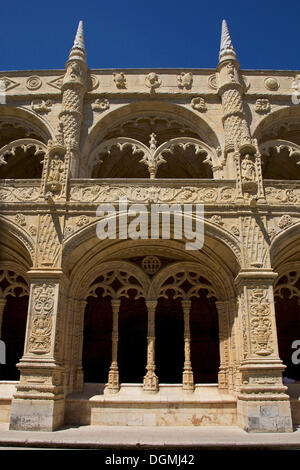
{"points": [[262, 106], [100, 105], [119, 79], [260, 322], [42, 312], [199, 104], [185, 80], [41, 106], [152, 81]]}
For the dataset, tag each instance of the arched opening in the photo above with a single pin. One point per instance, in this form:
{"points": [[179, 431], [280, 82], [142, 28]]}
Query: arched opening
{"points": [[280, 165], [15, 291], [96, 353], [188, 334], [145, 128], [23, 164], [169, 354], [22, 148], [115, 320], [287, 308], [132, 348], [205, 348]]}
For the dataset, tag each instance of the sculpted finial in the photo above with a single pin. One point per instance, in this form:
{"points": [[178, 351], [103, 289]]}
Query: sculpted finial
{"points": [[226, 47], [78, 50]]}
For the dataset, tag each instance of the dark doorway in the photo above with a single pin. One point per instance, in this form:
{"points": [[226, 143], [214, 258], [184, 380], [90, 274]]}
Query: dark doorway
{"points": [[169, 345], [205, 355], [96, 354], [132, 350], [169, 327]]}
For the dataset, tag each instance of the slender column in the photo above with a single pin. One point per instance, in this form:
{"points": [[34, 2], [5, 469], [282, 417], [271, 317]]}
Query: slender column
{"points": [[187, 376], [150, 379], [2, 305], [113, 375]]}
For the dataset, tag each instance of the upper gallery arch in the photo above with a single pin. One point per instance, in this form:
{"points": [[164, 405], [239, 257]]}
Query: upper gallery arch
{"points": [[141, 139], [278, 136], [23, 140]]}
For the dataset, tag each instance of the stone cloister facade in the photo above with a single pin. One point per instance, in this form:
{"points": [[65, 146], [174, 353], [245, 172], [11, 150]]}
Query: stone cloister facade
{"points": [[142, 331]]}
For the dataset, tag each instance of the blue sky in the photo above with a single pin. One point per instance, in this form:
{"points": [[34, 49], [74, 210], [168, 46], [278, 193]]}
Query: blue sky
{"points": [[145, 34]]}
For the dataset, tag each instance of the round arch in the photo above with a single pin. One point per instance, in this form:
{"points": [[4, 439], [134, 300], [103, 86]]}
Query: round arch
{"points": [[24, 116], [86, 257], [284, 116], [205, 129]]}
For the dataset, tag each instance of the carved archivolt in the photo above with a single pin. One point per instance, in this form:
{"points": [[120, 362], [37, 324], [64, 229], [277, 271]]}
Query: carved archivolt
{"points": [[17, 231], [181, 283], [289, 283], [152, 156], [127, 283], [111, 273], [278, 145], [14, 284], [185, 285], [24, 144]]}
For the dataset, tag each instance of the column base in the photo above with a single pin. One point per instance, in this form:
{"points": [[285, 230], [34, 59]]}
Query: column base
{"points": [[150, 382], [113, 385], [188, 381], [36, 415], [264, 415]]}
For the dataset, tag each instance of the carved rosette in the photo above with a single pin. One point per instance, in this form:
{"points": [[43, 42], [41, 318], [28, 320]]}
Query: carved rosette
{"points": [[43, 297]]}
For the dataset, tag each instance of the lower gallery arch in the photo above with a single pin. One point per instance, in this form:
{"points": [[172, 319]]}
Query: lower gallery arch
{"points": [[152, 338], [118, 329]]}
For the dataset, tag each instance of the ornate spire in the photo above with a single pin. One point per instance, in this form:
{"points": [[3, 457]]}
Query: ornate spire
{"points": [[78, 50], [226, 47]]}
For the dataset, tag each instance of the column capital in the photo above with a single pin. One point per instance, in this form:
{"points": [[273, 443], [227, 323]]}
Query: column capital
{"points": [[151, 304], [255, 276], [186, 304]]}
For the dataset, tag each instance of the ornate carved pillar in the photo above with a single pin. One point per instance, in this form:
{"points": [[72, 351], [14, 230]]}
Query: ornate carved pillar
{"points": [[150, 379], [246, 157], [223, 379], [228, 371], [2, 305], [39, 401], [74, 87], [187, 376], [113, 375], [262, 404]]}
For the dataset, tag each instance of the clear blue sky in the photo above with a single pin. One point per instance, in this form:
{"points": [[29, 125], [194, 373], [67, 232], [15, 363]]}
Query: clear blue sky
{"points": [[152, 33]]}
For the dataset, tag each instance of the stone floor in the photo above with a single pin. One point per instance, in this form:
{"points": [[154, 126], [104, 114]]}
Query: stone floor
{"points": [[112, 437]]}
